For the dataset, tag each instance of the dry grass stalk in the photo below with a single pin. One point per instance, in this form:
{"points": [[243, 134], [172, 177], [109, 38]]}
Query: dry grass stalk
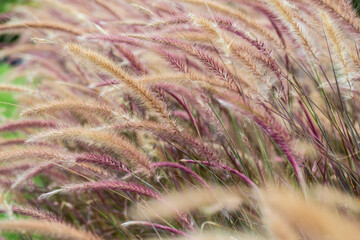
{"points": [[44, 228]]}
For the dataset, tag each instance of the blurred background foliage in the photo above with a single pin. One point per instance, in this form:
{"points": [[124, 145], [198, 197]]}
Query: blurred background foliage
{"points": [[356, 4], [7, 100], [5, 5]]}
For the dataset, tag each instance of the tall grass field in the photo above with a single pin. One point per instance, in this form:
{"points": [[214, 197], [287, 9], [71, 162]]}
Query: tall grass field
{"points": [[180, 119]]}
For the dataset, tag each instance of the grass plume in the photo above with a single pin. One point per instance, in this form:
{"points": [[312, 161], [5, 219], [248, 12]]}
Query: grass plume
{"points": [[182, 119]]}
